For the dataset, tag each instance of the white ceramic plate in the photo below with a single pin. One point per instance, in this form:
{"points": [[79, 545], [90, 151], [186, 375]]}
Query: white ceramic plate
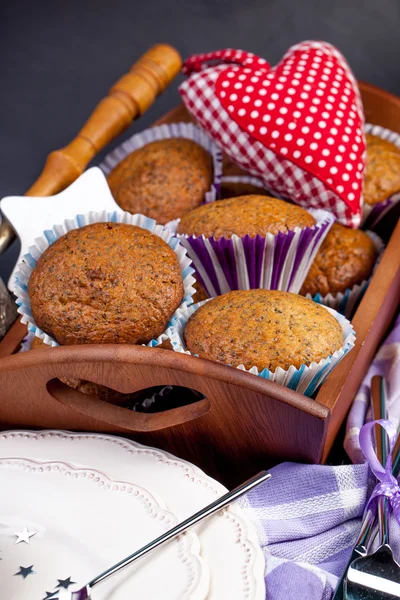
{"points": [[84, 523], [228, 541]]}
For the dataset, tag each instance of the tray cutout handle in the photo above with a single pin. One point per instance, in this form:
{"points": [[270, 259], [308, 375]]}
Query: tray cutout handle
{"points": [[125, 418]]}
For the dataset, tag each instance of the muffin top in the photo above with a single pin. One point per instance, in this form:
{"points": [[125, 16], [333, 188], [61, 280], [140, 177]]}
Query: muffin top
{"points": [[346, 257], [263, 328], [382, 173], [106, 283], [163, 179], [245, 215]]}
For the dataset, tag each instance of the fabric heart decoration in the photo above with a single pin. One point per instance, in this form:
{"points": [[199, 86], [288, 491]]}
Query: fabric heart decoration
{"points": [[299, 126]]}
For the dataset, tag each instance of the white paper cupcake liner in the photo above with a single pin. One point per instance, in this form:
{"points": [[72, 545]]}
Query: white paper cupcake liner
{"points": [[26, 343], [372, 214], [29, 261], [304, 380], [162, 132], [274, 262], [346, 302]]}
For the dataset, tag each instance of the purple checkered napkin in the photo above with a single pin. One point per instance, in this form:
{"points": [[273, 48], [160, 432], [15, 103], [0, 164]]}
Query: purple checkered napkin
{"points": [[387, 364], [308, 516]]}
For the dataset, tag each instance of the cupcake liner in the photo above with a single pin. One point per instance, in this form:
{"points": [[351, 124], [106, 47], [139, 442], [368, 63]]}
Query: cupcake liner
{"points": [[346, 302], [26, 343], [304, 380], [174, 130], [275, 262], [372, 214], [29, 261]]}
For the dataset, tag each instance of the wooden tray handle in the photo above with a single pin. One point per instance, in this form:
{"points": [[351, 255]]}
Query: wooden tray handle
{"points": [[122, 418], [31, 380], [129, 98]]}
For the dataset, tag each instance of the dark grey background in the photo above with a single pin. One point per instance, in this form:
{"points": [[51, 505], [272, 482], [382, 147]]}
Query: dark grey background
{"points": [[59, 58]]}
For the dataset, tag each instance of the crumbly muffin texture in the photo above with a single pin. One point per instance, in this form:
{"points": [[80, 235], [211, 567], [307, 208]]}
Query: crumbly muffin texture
{"points": [[200, 293], [382, 173], [346, 257], [263, 328], [106, 283], [245, 215], [163, 179]]}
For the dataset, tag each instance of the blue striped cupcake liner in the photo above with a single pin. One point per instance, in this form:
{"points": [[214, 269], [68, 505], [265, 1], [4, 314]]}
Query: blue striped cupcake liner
{"points": [[188, 131], [346, 302], [29, 261], [372, 214], [304, 380]]}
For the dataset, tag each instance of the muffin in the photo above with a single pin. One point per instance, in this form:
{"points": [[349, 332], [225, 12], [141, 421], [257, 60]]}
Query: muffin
{"points": [[163, 180], [200, 293], [106, 283], [263, 328], [245, 215], [38, 343], [345, 258], [240, 186], [382, 173]]}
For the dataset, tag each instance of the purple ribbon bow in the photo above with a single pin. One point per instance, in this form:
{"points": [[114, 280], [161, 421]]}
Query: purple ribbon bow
{"points": [[388, 485]]}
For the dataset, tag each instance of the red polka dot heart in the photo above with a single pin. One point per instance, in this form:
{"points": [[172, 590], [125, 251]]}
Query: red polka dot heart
{"points": [[298, 126]]}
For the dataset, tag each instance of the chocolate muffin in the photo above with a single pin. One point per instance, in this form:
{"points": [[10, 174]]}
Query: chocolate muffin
{"points": [[263, 328], [245, 215], [382, 173], [106, 283], [163, 180], [346, 257]]}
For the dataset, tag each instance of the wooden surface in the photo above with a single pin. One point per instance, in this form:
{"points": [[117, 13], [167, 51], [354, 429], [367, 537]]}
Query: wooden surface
{"points": [[129, 98], [370, 322], [245, 422]]}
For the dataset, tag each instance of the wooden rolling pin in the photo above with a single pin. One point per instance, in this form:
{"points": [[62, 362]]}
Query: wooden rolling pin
{"points": [[129, 98]]}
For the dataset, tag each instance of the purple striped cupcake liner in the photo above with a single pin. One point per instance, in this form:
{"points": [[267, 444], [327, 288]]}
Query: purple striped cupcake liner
{"points": [[346, 302], [274, 262], [306, 379], [175, 130], [372, 214]]}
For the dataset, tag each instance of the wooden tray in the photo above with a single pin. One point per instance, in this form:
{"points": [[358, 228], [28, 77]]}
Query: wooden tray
{"points": [[244, 422]]}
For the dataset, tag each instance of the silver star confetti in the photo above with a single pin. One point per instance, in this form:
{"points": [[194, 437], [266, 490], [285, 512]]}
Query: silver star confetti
{"points": [[25, 571], [24, 535], [65, 583]]}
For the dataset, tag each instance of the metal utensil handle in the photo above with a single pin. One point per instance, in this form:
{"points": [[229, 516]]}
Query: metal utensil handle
{"points": [[378, 396], [367, 532], [181, 527]]}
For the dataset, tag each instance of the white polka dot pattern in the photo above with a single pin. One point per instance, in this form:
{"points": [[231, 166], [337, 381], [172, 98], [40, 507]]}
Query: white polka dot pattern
{"points": [[298, 126]]}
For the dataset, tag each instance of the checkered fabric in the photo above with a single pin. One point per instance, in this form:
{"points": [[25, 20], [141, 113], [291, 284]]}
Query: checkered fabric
{"points": [[281, 175]]}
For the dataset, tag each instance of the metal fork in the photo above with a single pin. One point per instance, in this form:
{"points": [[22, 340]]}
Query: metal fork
{"points": [[85, 592], [367, 531], [376, 575]]}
